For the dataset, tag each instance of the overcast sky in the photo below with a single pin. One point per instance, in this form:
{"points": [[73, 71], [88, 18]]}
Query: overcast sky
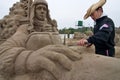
{"points": [[68, 12]]}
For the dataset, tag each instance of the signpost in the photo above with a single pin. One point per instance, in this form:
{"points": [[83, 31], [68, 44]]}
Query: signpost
{"points": [[80, 23]]}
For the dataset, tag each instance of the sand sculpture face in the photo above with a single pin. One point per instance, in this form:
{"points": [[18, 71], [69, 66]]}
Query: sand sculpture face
{"points": [[41, 12], [40, 17]]}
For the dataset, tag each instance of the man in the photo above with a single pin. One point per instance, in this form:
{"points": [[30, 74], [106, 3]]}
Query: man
{"points": [[104, 31]]}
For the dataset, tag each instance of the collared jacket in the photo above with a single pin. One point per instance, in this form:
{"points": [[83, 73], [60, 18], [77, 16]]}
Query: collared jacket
{"points": [[103, 38]]}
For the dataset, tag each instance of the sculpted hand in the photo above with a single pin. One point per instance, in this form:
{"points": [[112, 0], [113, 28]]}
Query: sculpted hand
{"points": [[48, 57]]}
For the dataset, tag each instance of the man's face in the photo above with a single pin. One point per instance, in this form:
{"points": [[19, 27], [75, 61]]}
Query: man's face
{"points": [[96, 14], [41, 11]]}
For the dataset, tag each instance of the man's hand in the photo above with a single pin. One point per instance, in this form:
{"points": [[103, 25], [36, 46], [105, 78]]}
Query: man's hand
{"points": [[82, 42]]}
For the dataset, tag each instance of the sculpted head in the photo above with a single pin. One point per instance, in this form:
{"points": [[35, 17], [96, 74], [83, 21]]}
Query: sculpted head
{"points": [[39, 10], [39, 14], [40, 19]]}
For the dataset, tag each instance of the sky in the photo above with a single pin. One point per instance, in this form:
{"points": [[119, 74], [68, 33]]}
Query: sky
{"points": [[69, 12]]}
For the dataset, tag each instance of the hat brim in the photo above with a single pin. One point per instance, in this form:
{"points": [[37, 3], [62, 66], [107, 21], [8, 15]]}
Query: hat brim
{"points": [[94, 7]]}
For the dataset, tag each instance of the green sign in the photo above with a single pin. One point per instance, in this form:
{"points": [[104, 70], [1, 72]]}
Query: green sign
{"points": [[80, 23]]}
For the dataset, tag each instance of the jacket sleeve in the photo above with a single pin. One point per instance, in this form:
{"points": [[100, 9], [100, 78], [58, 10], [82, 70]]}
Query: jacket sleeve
{"points": [[10, 50], [102, 36]]}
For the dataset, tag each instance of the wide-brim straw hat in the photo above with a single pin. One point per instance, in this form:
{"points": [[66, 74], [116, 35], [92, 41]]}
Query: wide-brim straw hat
{"points": [[94, 7]]}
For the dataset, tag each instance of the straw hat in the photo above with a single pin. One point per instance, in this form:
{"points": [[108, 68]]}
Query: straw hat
{"points": [[94, 7]]}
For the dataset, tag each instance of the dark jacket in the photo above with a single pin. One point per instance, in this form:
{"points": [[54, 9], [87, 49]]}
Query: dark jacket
{"points": [[103, 38]]}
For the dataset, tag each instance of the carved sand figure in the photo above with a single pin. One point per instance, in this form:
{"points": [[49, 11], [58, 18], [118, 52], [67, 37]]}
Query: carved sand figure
{"points": [[18, 11], [12, 22], [36, 49], [35, 52]]}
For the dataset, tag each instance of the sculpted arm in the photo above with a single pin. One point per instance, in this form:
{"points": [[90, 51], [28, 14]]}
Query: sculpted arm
{"points": [[11, 49]]}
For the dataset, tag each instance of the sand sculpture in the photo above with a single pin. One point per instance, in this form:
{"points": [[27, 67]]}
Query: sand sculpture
{"points": [[35, 51]]}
